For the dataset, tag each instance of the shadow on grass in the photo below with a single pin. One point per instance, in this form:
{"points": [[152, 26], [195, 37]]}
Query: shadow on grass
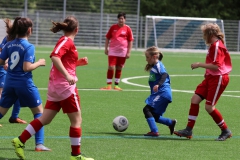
{"points": [[114, 135]]}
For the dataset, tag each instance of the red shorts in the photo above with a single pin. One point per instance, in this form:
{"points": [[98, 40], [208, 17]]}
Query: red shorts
{"points": [[69, 105], [212, 87], [116, 61]]}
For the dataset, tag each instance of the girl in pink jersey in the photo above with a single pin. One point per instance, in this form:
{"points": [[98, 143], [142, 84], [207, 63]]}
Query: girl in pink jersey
{"points": [[118, 46], [218, 66], [62, 91]]}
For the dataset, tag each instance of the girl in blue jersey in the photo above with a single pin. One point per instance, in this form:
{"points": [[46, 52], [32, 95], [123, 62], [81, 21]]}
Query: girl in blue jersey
{"points": [[18, 82], [161, 94], [16, 107]]}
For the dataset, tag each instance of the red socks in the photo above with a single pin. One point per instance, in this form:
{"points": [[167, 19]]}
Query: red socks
{"points": [[30, 130], [217, 117], [75, 137], [193, 113]]}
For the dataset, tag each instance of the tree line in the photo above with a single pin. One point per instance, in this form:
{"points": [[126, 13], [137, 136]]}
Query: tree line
{"points": [[221, 9]]}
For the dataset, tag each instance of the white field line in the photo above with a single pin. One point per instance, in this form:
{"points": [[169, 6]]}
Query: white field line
{"points": [[126, 80]]}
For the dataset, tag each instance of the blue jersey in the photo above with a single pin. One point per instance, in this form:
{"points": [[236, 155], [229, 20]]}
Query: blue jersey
{"points": [[18, 51], [2, 70], [155, 75], [19, 84]]}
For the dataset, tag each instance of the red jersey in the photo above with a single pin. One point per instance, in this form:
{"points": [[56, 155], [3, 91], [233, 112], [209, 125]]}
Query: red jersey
{"points": [[119, 38], [219, 55], [58, 87]]}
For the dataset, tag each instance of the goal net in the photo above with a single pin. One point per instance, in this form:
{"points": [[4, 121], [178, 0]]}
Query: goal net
{"points": [[176, 32]]}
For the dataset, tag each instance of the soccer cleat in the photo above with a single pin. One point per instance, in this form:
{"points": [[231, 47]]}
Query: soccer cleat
{"points": [[171, 127], [152, 134], [224, 135], [108, 87], [184, 133], [41, 147], [17, 120], [19, 146], [117, 88], [80, 157]]}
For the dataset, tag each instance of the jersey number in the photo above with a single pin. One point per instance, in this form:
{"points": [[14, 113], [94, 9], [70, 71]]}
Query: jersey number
{"points": [[14, 59]]}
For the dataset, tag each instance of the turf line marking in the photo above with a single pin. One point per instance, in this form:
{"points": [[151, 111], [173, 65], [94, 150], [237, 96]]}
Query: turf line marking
{"points": [[122, 136], [125, 80]]}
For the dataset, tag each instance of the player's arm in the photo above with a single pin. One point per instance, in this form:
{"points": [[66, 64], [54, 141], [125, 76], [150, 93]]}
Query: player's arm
{"points": [[29, 66], [204, 65], [2, 62], [106, 46], [82, 61], [161, 81], [130, 43], [58, 64]]}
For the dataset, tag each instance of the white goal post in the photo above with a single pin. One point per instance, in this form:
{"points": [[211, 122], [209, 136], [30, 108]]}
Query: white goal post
{"points": [[176, 32]]}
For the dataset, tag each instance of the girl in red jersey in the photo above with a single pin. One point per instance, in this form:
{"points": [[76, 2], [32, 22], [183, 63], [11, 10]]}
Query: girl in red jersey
{"points": [[118, 46], [218, 66], [62, 91]]}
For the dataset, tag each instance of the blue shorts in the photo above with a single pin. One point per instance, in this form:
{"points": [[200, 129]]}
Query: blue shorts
{"points": [[158, 103], [27, 95], [2, 80]]}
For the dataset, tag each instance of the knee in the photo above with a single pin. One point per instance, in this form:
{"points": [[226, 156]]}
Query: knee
{"points": [[209, 108], [111, 67], [147, 111]]}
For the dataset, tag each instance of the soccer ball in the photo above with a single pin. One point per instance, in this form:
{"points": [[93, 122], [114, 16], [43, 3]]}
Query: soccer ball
{"points": [[120, 123]]}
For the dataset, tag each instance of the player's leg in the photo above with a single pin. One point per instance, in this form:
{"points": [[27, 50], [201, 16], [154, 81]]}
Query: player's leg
{"points": [[161, 105], [2, 80], [8, 97], [200, 93], [118, 71], [15, 112], [147, 111], [110, 72], [71, 106], [32, 128], [216, 88]]}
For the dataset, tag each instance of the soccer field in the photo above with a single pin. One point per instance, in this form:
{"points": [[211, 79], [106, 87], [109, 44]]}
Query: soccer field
{"points": [[101, 142]]}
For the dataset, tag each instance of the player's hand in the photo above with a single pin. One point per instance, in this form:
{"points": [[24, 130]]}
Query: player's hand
{"points": [[82, 61], [71, 80], [42, 62], [195, 65], [106, 51], [155, 88], [128, 55], [5, 66]]}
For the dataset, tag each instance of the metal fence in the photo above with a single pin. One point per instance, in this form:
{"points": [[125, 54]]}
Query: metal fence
{"points": [[95, 18]]}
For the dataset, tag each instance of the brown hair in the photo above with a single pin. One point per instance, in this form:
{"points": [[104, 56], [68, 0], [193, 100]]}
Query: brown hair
{"points": [[68, 25], [152, 51], [211, 29], [18, 28]]}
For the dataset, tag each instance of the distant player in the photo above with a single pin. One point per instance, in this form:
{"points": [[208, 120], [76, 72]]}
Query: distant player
{"points": [[18, 82], [161, 94], [118, 45], [218, 66], [16, 107]]}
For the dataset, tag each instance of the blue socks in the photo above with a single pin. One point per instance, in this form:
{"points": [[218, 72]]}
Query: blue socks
{"points": [[39, 136], [152, 124], [166, 121]]}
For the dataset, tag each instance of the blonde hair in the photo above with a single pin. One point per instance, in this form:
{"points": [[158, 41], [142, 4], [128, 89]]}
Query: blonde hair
{"points": [[152, 51], [211, 29]]}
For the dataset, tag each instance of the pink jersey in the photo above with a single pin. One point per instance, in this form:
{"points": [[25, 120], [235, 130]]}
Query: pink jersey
{"points": [[119, 38], [218, 55], [58, 87]]}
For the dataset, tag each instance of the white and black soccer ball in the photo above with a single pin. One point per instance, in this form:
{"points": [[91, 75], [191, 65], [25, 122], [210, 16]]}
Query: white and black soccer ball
{"points": [[120, 123]]}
